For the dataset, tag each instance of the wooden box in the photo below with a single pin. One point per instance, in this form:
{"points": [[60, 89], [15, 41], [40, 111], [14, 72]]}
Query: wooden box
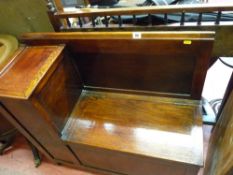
{"points": [[38, 91]]}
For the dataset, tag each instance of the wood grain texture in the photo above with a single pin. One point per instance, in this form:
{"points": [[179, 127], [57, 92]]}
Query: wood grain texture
{"points": [[222, 45], [63, 37], [147, 126], [59, 94], [148, 66], [48, 74], [115, 163], [158, 61], [31, 118], [220, 158], [10, 118], [5, 126], [21, 78]]}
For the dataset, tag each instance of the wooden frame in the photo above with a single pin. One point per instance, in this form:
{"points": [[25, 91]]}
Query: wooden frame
{"points": [[222, 45], [162, 10]]}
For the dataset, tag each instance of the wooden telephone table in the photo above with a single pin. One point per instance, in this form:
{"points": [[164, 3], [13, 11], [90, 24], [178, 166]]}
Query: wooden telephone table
{"points": [[111, 102]]}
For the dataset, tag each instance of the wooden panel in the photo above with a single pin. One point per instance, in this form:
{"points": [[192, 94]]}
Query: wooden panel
{"points": [[20, 79], [220, 158], [222, 44], [162, 66], [135, 65], [31, 119], [163, 128], [4, 124], [158, 61], [4, 112], [41, 93], [64, 37], [60, 93], [123, 163]]}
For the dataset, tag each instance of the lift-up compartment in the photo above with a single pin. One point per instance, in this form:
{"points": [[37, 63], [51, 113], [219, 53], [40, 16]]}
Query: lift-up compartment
{"points": [[136, 134]]}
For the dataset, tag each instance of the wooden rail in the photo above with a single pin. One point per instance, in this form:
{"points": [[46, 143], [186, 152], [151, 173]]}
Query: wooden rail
{"points": [[89, 12], [90, 17]]}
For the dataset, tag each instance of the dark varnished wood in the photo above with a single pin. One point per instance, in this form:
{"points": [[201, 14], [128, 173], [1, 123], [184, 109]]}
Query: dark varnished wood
{"points": [[10, 118], [222, 45], [24, 74], [104, 124], [105, 59], [148, 66], [31, 118], [114, 127], [220, 158], [59, 94], [64, 37], [115, 163], [5, 126], [39, 91]]}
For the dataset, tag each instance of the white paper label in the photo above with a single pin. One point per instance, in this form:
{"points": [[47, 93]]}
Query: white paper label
{"points": [[137, 35]]}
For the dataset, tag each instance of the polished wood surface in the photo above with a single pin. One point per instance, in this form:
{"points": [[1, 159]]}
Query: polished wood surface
{"points": [[10, 118], [118, 163], [64, 37], [115, 84], [32, 118], [147, 67], [220, 158], [218, 49], [59, 94], [123, 122], [39, 92], [105, 59], [23, 75]]}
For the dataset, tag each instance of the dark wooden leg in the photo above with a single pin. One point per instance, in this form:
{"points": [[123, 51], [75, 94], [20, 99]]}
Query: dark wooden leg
{"points": [[36, 154]]}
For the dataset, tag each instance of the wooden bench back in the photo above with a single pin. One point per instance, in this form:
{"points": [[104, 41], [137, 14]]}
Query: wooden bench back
{"points": [[167, 63]]}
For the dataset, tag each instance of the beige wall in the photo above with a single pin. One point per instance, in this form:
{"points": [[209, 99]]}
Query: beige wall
{"points": [[20, 16]]}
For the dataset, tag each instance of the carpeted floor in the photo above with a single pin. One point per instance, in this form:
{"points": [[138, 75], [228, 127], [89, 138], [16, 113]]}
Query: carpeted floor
{"points": [[18, 160]]}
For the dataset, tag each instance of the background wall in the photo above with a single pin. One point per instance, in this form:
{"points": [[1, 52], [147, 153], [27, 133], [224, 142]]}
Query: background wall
{"points": [[20, 16]]}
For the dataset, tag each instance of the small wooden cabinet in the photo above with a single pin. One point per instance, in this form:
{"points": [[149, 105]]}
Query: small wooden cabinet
{"points": [[39, 91], [108, 102]]}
